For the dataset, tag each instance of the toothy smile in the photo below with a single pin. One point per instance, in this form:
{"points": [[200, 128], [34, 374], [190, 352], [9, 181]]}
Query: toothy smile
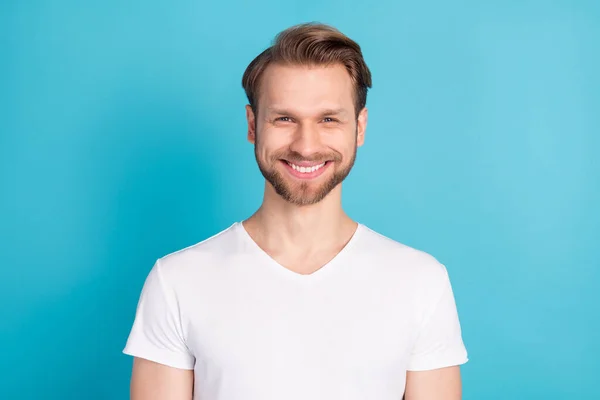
{"points": [[305, 169]]}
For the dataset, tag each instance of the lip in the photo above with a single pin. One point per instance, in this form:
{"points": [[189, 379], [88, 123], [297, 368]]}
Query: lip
{"points": [[305, 175]]}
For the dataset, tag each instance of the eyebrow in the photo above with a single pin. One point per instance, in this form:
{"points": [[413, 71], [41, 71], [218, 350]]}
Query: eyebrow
{"points": [[325, 112]]}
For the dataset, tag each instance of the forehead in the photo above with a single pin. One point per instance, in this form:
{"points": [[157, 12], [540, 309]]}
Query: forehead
{"points": [[306, 88]]}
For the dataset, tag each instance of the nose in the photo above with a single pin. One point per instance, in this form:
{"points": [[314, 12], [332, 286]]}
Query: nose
{"points": [[307, 140]]}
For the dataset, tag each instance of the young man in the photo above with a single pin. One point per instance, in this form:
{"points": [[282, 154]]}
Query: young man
{"points": [[299, 302]]}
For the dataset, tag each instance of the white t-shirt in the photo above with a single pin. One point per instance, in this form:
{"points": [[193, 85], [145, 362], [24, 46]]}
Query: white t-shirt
{"points": [[252, 329]]}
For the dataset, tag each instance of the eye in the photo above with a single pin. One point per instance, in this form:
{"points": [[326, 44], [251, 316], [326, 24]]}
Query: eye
{"points": [[329, 119], [283, 119]]}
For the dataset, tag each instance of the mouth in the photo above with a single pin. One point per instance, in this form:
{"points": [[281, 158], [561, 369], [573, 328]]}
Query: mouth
{"points": [[306, 170]]}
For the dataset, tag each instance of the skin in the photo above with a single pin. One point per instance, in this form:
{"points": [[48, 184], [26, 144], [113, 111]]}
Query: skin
{"points": [[305, 115], [153, 381], [294, 122]]}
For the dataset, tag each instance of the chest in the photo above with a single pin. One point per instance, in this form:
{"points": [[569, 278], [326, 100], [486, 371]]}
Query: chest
{"points": [[297, 336]]}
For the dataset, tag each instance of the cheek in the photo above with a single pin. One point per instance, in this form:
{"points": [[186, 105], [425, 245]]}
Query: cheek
{"points": [[342, 143], [265, 152], [270, 145]]}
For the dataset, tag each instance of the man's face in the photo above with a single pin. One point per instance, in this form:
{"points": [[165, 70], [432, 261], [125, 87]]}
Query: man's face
{"points": [[305, 133]]}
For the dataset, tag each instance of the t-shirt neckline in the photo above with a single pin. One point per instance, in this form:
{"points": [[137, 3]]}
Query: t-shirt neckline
{"points": [[319, 273]]}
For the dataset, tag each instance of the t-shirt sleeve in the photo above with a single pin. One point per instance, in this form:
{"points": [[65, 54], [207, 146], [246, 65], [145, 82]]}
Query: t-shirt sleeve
{"points": [[439, 342], [157, 332]]}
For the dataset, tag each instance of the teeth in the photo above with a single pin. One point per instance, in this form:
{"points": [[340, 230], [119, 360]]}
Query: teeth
{"points": [[306, 170]]}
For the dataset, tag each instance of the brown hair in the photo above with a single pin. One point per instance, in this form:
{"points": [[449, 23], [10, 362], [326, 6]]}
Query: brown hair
{"points": [[311, 44]]}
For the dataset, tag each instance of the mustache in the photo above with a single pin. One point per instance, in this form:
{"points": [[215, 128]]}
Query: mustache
{"points": [[293, 156]]}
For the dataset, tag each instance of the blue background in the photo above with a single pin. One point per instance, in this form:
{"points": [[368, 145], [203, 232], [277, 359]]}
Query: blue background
{"points": [[122, 138]]}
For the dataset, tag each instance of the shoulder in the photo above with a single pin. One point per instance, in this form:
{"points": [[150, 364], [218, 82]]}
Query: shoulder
{"points": [[201, 256], [400, 259]]}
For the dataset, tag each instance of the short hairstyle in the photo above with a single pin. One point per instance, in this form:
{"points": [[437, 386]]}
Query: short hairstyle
{"points": [[311, 44]]}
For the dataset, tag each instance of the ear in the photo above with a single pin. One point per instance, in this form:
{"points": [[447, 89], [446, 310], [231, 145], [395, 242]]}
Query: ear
{"points": [[250, 117], [361, 126]]}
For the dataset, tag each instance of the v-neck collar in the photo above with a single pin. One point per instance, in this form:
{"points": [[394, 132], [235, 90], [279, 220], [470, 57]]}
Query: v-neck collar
{"points": [[319, 273]]}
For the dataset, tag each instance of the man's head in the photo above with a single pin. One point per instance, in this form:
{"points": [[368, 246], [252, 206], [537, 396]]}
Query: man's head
{"points": [[307, 115]]}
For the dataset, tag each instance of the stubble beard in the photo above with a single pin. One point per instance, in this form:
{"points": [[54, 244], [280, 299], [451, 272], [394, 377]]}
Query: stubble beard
{"points": [[302, 194]]}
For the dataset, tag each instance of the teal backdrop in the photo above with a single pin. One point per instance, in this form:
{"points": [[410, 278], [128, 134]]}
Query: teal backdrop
{"points": [[122, 138]]}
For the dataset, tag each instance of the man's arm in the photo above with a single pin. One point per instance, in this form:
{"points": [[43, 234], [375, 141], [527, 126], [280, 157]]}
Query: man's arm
{"points": [[153, 381], [436, 384]]}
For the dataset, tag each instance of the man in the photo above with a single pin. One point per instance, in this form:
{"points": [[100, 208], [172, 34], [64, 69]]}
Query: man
{"points": [[299, 301]]}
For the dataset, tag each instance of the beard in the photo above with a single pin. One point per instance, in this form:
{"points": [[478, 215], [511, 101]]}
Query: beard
{"points": [[304, 193]]}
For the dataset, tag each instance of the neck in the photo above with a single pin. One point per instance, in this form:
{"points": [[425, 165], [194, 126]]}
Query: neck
{"points": [[279, 224]]}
